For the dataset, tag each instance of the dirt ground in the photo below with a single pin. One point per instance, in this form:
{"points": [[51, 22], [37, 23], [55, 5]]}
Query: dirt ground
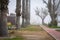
{"points": [[35, 35]]}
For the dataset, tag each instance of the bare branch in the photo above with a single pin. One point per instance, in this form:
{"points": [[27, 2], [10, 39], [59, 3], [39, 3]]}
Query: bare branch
{"points": [[37, 11], [43, 13], [57, 5], [45, 2]]}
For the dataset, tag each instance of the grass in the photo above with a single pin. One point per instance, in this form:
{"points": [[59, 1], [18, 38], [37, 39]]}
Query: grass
{"points": [[13, 33], [54, 26], [32, 28], [28, 28], [58, 30], [16, 38]]}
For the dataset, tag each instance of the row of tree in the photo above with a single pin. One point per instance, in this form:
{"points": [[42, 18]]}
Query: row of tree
{"points": [[22, 8], [52, 9]]}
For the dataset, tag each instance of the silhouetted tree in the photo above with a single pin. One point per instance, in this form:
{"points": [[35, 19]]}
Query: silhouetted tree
{"points": [[42, 14], [52, 7]]}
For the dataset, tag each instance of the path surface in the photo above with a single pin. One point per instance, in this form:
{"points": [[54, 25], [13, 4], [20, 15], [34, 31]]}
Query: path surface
{"points": [[52, 32], [36, 35]]}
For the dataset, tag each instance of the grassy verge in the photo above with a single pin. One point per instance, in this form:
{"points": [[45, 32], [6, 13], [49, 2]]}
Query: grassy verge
{"points": [[32, 28], [17, 38], [54, 27], [58, 30]]}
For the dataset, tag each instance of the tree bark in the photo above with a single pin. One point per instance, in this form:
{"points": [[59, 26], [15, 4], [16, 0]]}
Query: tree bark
{"points": [[53, 15], [3, 25], [23, 12], [3, 18], [18, 22], [18, 13], [27, 12], [54, 22], [42, 21]]}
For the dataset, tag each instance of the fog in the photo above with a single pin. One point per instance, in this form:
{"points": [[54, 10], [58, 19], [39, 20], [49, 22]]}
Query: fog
{"points": [[34, 19]]}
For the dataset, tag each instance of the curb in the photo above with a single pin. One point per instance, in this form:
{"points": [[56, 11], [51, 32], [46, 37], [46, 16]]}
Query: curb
{"points": [[46, 29]]}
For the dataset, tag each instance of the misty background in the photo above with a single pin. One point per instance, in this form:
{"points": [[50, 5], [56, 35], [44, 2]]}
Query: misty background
{"points": [[34, 19]]}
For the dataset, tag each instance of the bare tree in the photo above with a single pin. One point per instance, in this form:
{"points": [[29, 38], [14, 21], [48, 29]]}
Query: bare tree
{"points": [[27, 17], [25, 12], [52, 7], [3, 18], [18, 13], [42, 14]]}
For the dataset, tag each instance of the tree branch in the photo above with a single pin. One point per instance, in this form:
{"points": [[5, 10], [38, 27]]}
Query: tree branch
{"points": [[40, 16], [57, 6], [45, 2]]}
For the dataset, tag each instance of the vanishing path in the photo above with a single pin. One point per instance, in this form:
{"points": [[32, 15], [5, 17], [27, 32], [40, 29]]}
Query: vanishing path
{"points": [[36, 35]]}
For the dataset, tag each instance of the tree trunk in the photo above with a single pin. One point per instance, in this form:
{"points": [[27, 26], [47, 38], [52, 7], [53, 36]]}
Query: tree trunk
{"points": [[23, 12], [54, 22], [3, 25], [42, 21], [23, 23], [3, 18], [27, 12], [18, 13], [18, 22], [53, 15]]}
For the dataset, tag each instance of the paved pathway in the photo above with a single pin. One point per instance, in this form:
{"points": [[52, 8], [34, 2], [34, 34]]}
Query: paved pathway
{"points": [[52, 32]]}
